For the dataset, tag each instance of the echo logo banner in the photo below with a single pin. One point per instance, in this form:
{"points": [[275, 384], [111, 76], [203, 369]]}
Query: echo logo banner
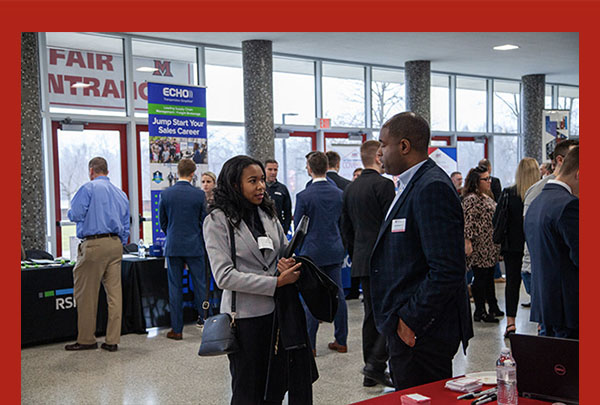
{"points": [[63, 299]]}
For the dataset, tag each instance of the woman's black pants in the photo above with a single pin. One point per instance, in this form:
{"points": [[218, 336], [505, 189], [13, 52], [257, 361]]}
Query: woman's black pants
{"points": [[483, 289], [512, 263], [249, 365]]}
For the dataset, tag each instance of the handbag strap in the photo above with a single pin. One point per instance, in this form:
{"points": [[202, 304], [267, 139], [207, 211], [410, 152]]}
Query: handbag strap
{"points": [[232, 242], [206, 303]]}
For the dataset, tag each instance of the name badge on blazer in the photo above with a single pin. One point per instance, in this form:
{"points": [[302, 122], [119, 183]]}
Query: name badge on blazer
{"points": [[264, 242], [399, 225]]}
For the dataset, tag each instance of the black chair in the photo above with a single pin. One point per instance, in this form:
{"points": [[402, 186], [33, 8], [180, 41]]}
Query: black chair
{"points": [[38, 254]]}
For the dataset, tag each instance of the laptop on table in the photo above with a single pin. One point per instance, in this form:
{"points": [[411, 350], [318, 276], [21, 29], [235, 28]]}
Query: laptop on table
{"points": [[547, 367]]}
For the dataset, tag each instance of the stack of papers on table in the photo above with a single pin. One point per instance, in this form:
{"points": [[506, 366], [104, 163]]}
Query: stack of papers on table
{"points": [[464, 384]]}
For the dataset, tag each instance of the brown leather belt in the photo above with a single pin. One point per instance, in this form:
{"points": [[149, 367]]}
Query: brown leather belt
{"points": [[98, 236]]}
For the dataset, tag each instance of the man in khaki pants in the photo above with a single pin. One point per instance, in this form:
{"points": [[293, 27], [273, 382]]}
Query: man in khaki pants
{"points": [[101, 212]]}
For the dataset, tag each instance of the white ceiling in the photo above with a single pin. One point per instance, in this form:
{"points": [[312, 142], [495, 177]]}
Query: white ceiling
{"points": [[555, 54]]}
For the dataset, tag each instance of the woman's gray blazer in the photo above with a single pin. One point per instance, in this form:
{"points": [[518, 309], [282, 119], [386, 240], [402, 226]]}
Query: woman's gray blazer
{"points": [[254, 277]]}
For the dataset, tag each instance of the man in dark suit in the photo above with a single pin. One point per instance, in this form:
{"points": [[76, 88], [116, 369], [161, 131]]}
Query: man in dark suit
{"points": [[279, 194], [360, 226], [181, 212], [418, 265], [333, 167], [552, 235], [322, 203]]}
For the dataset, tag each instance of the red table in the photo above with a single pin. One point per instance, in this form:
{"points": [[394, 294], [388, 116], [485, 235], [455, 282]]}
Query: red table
{"points": [[439, 395]]}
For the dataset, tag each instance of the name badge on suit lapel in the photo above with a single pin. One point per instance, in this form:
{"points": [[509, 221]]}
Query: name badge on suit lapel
{"points": [[264, 242], [399, 225]]}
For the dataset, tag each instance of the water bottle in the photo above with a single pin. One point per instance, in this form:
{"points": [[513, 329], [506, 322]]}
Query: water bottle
{"points": [[141, 249], [506, 377]]}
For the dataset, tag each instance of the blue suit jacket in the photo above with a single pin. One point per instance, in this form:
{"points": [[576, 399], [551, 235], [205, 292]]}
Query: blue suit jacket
{"points": [[322, 203], [552, 235], [181, 212], [418, 274]]}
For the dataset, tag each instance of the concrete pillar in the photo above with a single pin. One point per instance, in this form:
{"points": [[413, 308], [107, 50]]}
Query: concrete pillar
{"points": [[257, 58], [532, 100], [33, 201], [418, 87]]}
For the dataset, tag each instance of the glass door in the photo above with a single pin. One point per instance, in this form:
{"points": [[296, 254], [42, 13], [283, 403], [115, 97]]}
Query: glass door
{"points": [[469, 152], [290, 154], [348, 149], [72, 152], [143, 175]]}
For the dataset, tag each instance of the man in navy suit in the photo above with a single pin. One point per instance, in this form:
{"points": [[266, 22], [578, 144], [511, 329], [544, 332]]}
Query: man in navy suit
{"points": [[322, 203], [333, 167], [418, 266], [181, 214], [552, 235]]}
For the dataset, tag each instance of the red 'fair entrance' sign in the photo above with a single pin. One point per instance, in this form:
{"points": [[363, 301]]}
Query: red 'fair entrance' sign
{"points": [[95, 80]]}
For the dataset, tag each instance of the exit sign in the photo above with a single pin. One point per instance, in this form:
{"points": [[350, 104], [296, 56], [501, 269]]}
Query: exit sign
{"points": [[324, 123]]}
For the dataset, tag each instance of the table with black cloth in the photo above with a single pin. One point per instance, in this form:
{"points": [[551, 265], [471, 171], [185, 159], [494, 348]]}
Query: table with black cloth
{"points": [[48, 313], [438, 394]]}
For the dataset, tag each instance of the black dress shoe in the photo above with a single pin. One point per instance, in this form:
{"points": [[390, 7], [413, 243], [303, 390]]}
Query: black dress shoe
{"points": [[78, 346], [380, 377], [526, 304], [485, 317], [368, 382], [110, 348], [497, 312]]}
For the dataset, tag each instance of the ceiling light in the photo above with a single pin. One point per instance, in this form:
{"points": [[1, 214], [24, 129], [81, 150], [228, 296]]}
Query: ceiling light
{"points": [[506, 47], [81, 85], [147, 69]]}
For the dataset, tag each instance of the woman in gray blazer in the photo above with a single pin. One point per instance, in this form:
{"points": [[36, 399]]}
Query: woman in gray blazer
{"points": [[240, 199]]}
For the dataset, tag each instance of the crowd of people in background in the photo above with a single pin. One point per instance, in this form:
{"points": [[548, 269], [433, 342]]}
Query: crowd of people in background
{"points": [[166, 150], [413, 248]]}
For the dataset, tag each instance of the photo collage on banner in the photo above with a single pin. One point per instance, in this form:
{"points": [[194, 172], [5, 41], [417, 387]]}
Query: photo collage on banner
{"points": [[177, 130], [555, 129]]}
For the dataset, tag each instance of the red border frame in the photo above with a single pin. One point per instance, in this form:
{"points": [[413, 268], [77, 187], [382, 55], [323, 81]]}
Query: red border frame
{"points": [[122, 128], [248, 16]]}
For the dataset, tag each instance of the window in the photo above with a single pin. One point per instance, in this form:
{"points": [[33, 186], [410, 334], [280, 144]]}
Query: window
{"points": [[469, 154], [224, 86], [344, 95], [292, 166], [294, 91], [568, 99], [470, 104], [387, 95], [507, 106], [85, 74], [224, 142], [506, 159], [155, 62], [548, 98], [440, 102]]}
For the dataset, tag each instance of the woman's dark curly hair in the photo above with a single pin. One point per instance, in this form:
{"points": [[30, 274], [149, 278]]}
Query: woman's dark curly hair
{"points": [[472, 180], [227, 193]]}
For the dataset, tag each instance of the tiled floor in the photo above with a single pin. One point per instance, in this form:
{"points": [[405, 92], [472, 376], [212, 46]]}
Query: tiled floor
{"points": [[150, 369]]}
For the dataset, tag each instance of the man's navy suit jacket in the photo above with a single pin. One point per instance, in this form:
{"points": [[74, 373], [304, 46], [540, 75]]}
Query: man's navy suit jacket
{"points": [[322, 203], [418, 273], [181, 212], [552, 235]]}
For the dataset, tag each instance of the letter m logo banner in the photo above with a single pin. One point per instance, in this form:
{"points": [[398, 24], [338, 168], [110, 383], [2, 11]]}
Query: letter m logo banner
{"points": [[163, 68]]}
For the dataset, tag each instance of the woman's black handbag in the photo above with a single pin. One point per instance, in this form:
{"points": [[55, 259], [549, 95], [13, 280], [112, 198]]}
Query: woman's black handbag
{"points": [[219, 335], [500, 218]]}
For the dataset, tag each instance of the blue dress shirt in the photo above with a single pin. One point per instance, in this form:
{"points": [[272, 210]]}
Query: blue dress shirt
{"points": [[100, 207]]}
